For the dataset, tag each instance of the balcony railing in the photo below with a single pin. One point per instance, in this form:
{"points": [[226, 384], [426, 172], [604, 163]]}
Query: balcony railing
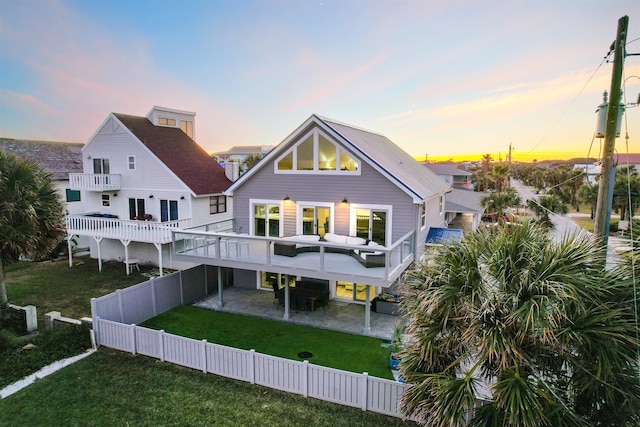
{"points": [[112, 228], [94, 181], [297, 256]]}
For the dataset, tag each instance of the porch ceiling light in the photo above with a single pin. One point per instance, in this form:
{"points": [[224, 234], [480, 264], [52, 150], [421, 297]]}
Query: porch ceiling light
{"points": [[151, 196], [345, 200], [286, 198]]}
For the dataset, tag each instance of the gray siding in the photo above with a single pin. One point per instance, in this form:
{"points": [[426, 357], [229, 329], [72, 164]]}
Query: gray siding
{"points": [[370, 187]]}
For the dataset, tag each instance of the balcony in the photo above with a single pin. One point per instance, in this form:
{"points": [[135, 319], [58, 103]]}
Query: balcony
{"points": [[296, 256], [94, 181], [113, 228]]}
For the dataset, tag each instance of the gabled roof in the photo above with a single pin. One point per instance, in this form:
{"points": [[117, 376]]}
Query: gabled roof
{"points": [[447, 169], [376, 150], [58, 158], [181, 154]]}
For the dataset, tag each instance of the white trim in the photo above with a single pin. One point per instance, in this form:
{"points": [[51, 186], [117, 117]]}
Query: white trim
{"points": [[316, 133], [388, 222], [300, 205], [267, 202]]}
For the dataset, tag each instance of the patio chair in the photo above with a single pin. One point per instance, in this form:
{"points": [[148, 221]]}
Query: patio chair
{"points": [[276, 290]]}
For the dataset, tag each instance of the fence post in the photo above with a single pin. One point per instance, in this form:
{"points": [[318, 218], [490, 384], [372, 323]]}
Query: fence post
{"points": [[132, 338], [161, 344], [119, 294], [96, 329], [181, 290], [363, 390], [304, 378], [204, 356], [94, 310], [153, 296], [252, 366]]}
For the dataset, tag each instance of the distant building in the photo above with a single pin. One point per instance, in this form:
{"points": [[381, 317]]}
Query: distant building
{"points": [[624, 159], [240, 153], [452, 174], [590, 170]]}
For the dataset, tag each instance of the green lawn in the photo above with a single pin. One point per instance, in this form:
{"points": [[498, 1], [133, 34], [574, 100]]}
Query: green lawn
{"points": [[54, 286], [111, 388], [354, 353]]}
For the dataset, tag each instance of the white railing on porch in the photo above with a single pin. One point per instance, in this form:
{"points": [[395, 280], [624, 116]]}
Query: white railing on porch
{"points": [[309, 380], [94, 181], [113, 228], [257, 252]]}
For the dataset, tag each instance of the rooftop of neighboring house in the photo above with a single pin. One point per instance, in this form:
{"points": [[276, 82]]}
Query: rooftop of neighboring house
{"points": [[624, 158], [240, 150], [58, 158], [447, 169], [181, 154], [464, 201]]}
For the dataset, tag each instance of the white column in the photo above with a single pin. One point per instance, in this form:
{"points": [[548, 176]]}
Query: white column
{"points": [[367, 311]]}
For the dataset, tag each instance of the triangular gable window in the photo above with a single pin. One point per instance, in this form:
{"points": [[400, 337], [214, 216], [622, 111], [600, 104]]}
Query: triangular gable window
{"points": [[316, 153]]}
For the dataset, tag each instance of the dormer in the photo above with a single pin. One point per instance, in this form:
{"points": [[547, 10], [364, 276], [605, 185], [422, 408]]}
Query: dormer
{"points": [[169, 117]]}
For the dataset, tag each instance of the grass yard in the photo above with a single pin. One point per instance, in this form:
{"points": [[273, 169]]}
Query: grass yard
{"points": [[112, 388], [354, 353], [54, 286]]}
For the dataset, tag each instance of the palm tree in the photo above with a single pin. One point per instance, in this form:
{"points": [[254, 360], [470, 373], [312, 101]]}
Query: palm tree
{"points": [[499, 175], [30, 212], [536, 331], [546, 205], [589, 194], [498, 202]]}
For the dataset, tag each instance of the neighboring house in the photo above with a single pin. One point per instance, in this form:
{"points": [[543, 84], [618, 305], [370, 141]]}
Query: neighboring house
{"points": [[240, 153], [334, 206], [144, 177], [463, 209], [452, 174], [627, 159], [591, 171], [59, 159]]}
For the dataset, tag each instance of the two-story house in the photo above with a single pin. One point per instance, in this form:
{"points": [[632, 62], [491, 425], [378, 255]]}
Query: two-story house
{"points": [[334, 207], [143, 177]]}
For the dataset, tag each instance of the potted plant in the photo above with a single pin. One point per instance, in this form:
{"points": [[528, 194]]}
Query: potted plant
{"points": [[395, 347]]}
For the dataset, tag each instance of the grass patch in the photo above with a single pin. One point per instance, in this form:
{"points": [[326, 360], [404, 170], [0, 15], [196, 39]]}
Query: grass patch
{"points": [[115, 388], [54, 286], [584, 222], [349, 352], [50, 346]]}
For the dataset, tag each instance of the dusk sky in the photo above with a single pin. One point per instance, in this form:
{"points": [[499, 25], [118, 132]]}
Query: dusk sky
{"points": [[447, 79]]}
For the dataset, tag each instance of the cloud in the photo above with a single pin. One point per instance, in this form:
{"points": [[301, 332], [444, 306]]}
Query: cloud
{"points": [[24, 102]]}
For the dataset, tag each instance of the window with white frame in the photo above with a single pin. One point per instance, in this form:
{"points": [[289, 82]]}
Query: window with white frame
{"points": [[106, 200], [101, 166], [316, 153], [187, 127], [164, 121], [442, 204], [131, 162], [266, 219], [217, 204], [423, 215]]}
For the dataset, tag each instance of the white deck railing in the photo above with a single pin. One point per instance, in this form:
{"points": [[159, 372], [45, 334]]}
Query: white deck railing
{"points": [[94, 181], [112, 228], [328, 259]]}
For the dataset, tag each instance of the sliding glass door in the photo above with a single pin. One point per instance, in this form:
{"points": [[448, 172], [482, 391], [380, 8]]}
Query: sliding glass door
{"points": [[371, 224]]}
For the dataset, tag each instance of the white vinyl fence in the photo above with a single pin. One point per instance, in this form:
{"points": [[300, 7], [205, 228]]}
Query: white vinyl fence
{"points": [[114, 324], [333, 385]]}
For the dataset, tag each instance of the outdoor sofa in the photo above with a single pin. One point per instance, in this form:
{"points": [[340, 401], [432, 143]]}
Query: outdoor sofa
{"points": [[367, 253]]}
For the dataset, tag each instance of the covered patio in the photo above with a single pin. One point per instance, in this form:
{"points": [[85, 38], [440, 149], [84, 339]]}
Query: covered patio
{"points": [[338, 316]]}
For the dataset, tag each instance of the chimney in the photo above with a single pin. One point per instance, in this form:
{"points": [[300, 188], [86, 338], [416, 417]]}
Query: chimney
{"points": [[232, 170]]}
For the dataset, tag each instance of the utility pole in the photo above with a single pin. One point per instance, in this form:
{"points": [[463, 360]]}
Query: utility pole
{"points": [[607, 169]]}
